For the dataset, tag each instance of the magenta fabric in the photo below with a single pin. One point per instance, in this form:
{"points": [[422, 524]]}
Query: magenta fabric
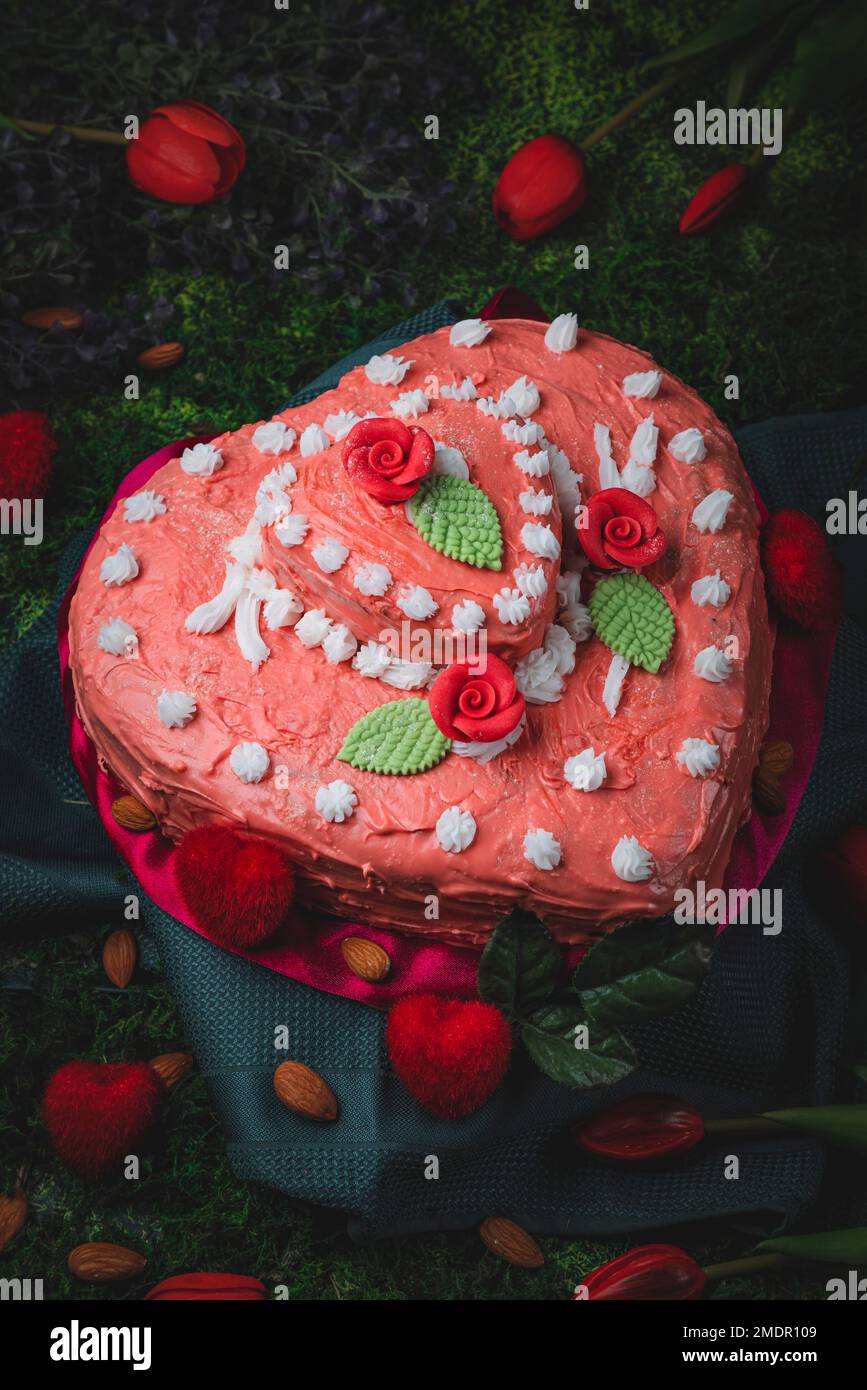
{"points": [[802, 664]]}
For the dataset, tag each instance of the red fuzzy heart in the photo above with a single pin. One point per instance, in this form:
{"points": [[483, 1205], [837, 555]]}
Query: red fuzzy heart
{"points": [[238, 889], [450, 1054], [802, 575], [27, 449], [98, 1112]]}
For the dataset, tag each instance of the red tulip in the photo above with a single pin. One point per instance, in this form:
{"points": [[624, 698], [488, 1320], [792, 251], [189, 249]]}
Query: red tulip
{"points": [[717, 196], [543, 183], [185, 153], [642, 1127], [650, 1273]]}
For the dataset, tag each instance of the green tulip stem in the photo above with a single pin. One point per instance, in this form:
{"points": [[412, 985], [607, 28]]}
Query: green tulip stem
{"points": [[751, 1127], [81, 132], [636, 104], [749, 1265]]}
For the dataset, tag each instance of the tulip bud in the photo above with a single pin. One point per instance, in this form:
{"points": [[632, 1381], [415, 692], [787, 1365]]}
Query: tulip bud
{"points": [[642, 1127], [543, 183], [714, 199], [650, 1273], [185, 153]]}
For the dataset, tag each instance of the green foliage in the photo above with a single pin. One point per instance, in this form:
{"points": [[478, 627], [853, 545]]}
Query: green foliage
{"points": [[398, 738], [456, 518], [633, 618], [573, 1035]]}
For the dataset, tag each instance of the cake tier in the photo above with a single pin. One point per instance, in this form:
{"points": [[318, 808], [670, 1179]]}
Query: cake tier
{"points": [[385, 863]]}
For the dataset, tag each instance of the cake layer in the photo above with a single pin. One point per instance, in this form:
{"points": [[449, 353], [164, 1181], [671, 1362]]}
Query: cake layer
{"points": [[385, 861]]}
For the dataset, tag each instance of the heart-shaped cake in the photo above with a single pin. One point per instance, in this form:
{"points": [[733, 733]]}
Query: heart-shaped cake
{"points": [[483, 627]]}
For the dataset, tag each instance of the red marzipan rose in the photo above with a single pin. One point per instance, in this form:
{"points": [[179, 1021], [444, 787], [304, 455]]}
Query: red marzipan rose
{"points": [[543, 183], [476, 701], [185, 153], [651, 1273], [617, 528], [98, 1112], [388, 459], [717, 196]]}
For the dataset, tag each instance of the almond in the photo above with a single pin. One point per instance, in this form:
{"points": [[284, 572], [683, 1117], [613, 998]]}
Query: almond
{"points": [[132, 815], [777, 757], [304, 1092], [511, 1242], [44, 318], [172, 1067], [768, 792], [157, 359], [13, 1214], [119, 955], [100, 1263], [365, 958]]}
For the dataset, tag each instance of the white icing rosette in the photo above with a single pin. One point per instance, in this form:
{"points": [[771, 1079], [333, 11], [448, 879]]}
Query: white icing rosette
{"points": [[119, 568], [585, 771], [249, 762], [201, 461], [455, 830], [144, 506], [562, 333], [336, 801], [468, 333], [175, 708], [386, 370], [631, 861], [273, 437], [542, 850]]}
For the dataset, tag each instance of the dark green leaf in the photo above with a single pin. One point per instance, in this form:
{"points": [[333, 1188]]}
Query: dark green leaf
{"points": [[751, 63], [830, 58], [550, 1039], [641, 970], [844, 1126], [860, 1069], [829, 1247], [743, 18], [520, 969]]}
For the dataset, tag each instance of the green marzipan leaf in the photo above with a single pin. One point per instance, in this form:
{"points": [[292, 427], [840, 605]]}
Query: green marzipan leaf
{"points": [[642, 970], [457, 519], [633, 618], [549, 1037], [828, 1247], [520, 969], [398, 738]]}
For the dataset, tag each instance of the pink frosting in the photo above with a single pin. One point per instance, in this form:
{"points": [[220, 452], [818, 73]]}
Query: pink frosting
{"points": [[385, 862]]}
